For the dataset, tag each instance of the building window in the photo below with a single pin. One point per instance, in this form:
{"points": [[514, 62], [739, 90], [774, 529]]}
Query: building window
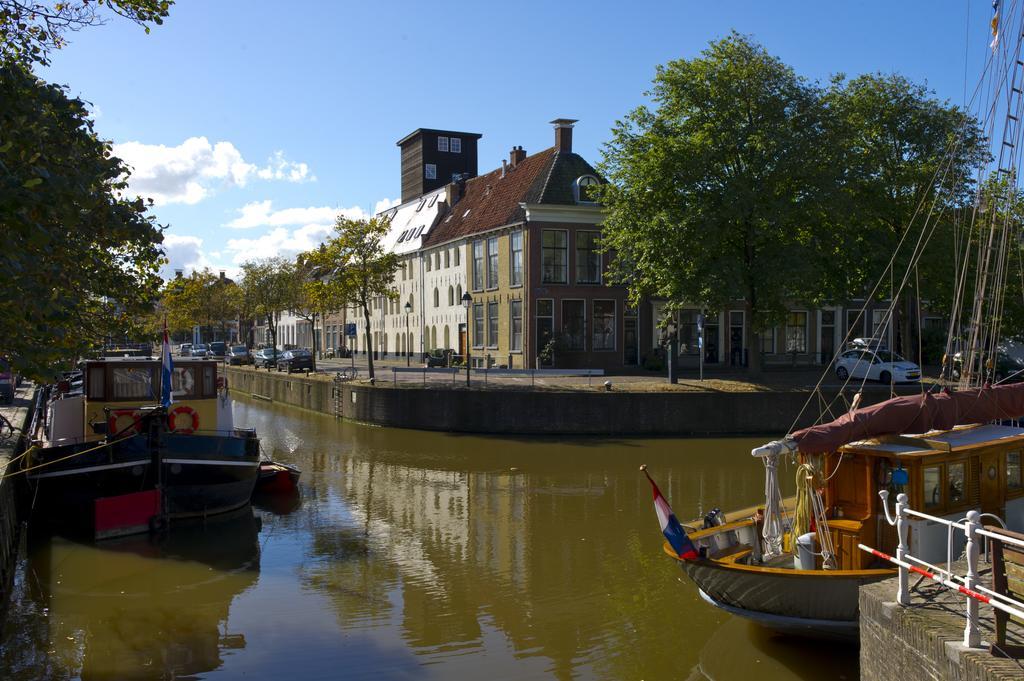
{"points": [[492, 262], [437, 298], [447, 258], [689, 344], [458, 294], [879, 325], [478, 265], [515, 308], [430, 171], [955, 482], [451, 296], [437, 260], [854, 324], [428, 262], [554, 256], [768, 342], [588, 260], [1013, 474], [545, 323], [458, 250], [574, 324], [442, 144], [515, 240], [456, 145], [932, 486], [796, 332], [478, 325], [492, 325], [604, 325], [583, 188]]}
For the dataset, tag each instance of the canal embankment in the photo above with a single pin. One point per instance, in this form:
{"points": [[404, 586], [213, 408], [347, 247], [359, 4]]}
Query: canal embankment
{"points": [[17, 413], [924, 640], [524, 411]]}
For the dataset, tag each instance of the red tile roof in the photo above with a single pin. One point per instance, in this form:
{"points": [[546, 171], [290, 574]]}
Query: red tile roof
{"points": [[491, 200]]}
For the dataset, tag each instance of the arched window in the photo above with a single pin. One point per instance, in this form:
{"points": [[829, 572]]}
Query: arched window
{"points": [[412, 306], [458, 294], [457, 256], [451, 299], [433, 337], [437, 298], [447, 337], [583, 188]]}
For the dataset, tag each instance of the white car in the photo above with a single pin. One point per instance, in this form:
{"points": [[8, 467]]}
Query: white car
{"points": [[200, 350], [876, 365]]}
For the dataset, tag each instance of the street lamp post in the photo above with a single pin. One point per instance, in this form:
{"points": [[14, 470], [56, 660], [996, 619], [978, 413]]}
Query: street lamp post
{"points": [[408, 349], [467, 301]]}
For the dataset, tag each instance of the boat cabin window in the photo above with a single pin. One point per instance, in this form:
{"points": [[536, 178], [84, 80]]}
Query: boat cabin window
{"points": [[183, 382], [955, 482], [209, 381], [1013, 473], [932, 486], [132, 383], [96, 383]]}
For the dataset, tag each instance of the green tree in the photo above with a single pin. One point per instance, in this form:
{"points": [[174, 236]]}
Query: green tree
{"points": [[356, 269], [907, 158], [267, 288], [30, 30], [79, 260], [712, 194]]}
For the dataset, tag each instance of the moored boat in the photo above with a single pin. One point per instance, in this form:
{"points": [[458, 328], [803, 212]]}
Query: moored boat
{"points": [[107, 437]]}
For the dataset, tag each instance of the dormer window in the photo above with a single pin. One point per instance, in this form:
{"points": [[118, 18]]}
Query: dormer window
{"points": [[404, 234], [430, 171], [583, 188], [433, 200], [456, 145], [442, 144], [420, 206]]}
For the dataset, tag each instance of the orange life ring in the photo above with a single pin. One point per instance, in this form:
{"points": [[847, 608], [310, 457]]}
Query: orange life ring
{"points": [[115, 416], [172, 419]]}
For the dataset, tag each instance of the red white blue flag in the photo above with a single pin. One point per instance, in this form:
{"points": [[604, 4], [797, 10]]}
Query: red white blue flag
{"points": [[166, 370], [670, 527]]}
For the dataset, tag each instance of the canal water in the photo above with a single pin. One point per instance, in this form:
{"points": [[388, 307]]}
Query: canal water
{"points": [[413, 555]]}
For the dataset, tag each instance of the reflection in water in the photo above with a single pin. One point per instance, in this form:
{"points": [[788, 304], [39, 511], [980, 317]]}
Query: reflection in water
{"points": [[438, 556]]}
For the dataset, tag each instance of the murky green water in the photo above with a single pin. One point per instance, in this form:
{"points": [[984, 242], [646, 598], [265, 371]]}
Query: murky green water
{"points": [[413, 555]]}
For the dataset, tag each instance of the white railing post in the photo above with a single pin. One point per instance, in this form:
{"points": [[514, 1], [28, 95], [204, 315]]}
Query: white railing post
{"points": [[972, 635], [902, 530]]}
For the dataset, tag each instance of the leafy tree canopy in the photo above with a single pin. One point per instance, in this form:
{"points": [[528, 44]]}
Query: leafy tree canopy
{"points": [[79, 261]]}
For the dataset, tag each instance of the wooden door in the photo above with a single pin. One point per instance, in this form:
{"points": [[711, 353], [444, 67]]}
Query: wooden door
{"points": [[462, 339], [991, 482]]}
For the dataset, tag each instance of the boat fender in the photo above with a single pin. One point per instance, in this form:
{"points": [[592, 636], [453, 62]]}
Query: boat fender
{"points": [[172, 420], [116, 414]]}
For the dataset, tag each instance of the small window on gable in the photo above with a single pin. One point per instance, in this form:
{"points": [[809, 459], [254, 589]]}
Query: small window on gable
{"points": [[433, 200], [442, 144], [430, 171], [583, 189], [404, 234], [456, 145], [420, 206]]}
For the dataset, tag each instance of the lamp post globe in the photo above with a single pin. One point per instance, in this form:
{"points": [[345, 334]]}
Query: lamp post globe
{"points": [[467, 301]]}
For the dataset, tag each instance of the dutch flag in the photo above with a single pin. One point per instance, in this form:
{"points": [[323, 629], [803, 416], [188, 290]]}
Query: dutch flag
{"points": [[166, 370], [670, 527]]}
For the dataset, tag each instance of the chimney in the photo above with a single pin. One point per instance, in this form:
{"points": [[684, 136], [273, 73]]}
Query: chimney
{"points": [[504, 168], [222, 275], [516, 156], [178, 274], [563, 134]]}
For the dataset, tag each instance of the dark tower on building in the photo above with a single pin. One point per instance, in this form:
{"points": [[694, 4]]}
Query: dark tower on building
{"points": [[431, 157]]}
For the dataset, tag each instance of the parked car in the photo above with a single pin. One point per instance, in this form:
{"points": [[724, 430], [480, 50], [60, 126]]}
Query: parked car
{"points": [[185, 350], [238, 355], [876, 365], [266, 358], [1007, 369], [218, 349], [437, 357], [200, 350], [295, 360], [8, 382]]}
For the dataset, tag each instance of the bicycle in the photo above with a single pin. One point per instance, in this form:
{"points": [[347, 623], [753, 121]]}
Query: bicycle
{"points": [[347, 374], [8, 432]]}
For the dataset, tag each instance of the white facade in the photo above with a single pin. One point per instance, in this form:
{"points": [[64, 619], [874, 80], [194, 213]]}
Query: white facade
{"points": [[396, 332], [291, 330]]}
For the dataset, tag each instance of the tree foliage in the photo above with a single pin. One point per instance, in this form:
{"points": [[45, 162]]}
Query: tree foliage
{"points": [[79, 260], [267, 288], [356, 269], [713, 193], [204, 299], [30, 30]]}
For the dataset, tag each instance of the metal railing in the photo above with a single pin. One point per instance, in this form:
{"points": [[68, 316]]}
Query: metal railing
{"points": [[974, 592], [457, 372]]}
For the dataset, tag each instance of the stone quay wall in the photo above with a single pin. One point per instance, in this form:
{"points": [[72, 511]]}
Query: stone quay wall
{"points": [[540, 412], [18, 413], [924, 641]]}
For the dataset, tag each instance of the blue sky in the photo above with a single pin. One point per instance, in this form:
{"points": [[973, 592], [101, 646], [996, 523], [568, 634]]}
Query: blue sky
{"points": [[255, 122]]}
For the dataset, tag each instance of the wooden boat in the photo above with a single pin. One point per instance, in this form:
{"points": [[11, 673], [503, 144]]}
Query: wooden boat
{"points": [[945, 473], [276, 477], [107, 438]]}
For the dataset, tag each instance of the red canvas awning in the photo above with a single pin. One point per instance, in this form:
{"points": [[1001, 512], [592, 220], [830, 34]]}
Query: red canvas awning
{"points": [[915, 414]]}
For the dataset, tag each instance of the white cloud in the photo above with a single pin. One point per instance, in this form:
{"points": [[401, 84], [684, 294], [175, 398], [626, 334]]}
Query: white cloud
{"points": [[191, 171], [261, 214], [384, 204], [186, 253], [279, 241]]}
